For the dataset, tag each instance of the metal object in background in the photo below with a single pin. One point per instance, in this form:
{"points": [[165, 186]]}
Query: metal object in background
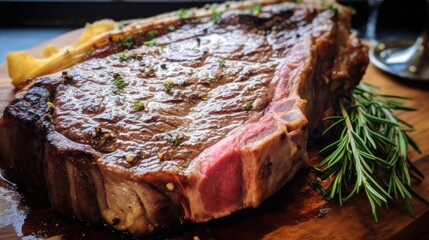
{"points": [[403, 58], [371, 24]]}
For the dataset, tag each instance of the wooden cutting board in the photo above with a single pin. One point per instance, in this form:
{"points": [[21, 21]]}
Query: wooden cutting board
{"points": [[295, 212]]}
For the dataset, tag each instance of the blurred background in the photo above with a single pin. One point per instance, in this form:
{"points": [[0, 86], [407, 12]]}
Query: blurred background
{"points": [[25, 23]]}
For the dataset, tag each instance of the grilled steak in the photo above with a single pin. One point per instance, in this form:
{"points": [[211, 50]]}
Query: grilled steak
{"points": [[200, 120]]}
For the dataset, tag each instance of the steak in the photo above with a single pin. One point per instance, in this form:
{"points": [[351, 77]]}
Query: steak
{"points": [[204, 116]]}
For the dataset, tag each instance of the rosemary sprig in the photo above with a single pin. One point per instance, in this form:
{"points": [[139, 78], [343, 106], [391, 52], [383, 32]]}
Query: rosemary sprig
{"points": [[370, 153]]}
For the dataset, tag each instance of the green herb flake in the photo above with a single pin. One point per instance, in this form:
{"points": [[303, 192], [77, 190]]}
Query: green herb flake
{"points": [[123, 55], [171, 28], [66, 52], [149, 42], [185, 13], [255, 9], [213, 79], [121, 25], [151, 34], [216, 15], [249, 106], [127, 42], [89, 52], [119, 81], [329, 5], [138, 105], [168, 86], [221, 62], [175, 138], [151, 70]]}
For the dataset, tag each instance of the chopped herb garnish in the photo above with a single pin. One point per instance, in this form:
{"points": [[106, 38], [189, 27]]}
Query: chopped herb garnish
{"points": [[216, 16], [221, 62], [329, 5], [213, 79], [121, 25], [168, 85], [119, 81], [66, 52], [171, 28], [196, 95], [255, 9], [151, 70], [185, 13], [127, 42], [123, 55], [151, 34], [149, 43], [249, 106], [138, 105], [89, 52], [174, 138]]}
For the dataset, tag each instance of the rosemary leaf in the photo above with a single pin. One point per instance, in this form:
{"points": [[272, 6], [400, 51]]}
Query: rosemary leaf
{"points": [[370, 154]]}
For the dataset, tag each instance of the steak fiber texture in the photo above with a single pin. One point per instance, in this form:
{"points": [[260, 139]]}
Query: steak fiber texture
{"points": [[195, 119]]}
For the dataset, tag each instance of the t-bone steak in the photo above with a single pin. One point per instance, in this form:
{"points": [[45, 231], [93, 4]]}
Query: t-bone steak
{"points": [[199, 118]]}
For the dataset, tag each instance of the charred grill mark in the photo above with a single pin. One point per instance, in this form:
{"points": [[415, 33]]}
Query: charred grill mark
{"points": [[35, 105]]}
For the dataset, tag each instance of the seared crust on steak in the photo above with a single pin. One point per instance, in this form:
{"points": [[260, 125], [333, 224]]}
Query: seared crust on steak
{"points": [[195, 124]]}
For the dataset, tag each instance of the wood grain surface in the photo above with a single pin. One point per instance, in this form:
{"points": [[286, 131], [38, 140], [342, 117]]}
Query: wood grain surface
{"points": [[295, 212]]}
